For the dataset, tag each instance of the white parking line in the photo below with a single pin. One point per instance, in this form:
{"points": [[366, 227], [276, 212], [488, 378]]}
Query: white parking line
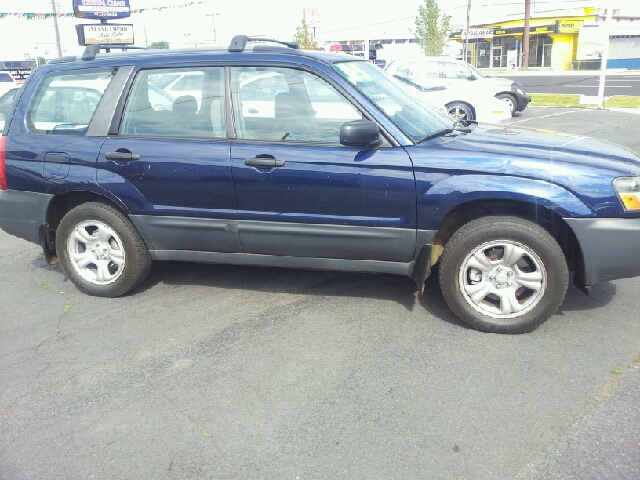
{"points": [[596, 86], [543, 116]]}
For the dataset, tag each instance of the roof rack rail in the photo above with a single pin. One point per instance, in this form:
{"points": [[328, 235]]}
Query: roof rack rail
{"points": [[91, 51], [239, 42]]}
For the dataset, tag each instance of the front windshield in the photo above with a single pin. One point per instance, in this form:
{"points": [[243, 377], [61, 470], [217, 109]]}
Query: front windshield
{"points": [[417, 119], [477, 72]]}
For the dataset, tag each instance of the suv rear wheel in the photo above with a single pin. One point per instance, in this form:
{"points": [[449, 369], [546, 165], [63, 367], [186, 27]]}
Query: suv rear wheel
{"points": [[503, 274], [101, 251]]}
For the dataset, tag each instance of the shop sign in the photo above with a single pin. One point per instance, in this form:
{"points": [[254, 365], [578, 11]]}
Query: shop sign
{"points": [[540, 29], [573, 26], [105, 34], [314, 17], [101, 9], [475, 33]]}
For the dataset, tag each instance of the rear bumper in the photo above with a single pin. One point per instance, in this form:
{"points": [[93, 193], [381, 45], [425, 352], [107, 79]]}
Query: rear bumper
{"points": [[609, 248], [24, 214]]}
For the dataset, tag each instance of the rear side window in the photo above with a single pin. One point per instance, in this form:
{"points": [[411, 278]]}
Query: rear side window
{"points": [[186, 102], [65, 102]]}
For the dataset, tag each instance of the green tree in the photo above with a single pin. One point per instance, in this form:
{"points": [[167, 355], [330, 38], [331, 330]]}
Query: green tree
{"points": [[161, 44], [432, 28], [41, 60], [304, 38]]}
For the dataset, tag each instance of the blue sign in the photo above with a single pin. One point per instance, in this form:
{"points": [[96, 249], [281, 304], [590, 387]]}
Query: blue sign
{"points": [[101, 9]]}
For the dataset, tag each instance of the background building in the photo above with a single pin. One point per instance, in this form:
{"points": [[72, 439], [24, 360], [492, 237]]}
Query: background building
{"points": [[569, 40]]}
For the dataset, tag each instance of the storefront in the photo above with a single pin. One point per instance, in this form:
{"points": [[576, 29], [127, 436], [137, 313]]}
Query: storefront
{"points": [[552, 43]]}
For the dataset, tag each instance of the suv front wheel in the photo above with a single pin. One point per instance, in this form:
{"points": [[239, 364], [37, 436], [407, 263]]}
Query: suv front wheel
{"points": [[509, 100], [503, 274], [460, 113], [101, 251]]}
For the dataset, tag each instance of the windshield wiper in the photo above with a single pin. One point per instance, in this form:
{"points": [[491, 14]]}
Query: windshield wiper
{"points": [[439, 133], [422, 88]]}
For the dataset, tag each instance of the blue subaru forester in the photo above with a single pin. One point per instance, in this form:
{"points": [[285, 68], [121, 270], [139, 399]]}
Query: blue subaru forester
{"points": [[264, 154]]}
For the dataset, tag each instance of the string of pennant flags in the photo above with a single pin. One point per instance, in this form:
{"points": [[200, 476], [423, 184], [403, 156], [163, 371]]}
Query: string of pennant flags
{"points": [[44, 16]]}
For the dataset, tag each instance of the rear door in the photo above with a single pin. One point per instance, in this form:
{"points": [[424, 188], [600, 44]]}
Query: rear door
{"points": [[169, 162]]}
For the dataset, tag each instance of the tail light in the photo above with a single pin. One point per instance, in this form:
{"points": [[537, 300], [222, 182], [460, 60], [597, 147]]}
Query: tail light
{"points": [[3, 164]]}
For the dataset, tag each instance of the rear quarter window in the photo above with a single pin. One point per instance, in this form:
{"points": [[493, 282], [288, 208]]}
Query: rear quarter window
{"points": [[66, 102]]}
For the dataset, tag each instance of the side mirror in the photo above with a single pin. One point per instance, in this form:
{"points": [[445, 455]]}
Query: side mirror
{"points": [[472, 77], [360, 133]]}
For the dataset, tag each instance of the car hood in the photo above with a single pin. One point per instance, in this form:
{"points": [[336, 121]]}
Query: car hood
{"points": [[541, 151], [504, 82], [581, 165]]}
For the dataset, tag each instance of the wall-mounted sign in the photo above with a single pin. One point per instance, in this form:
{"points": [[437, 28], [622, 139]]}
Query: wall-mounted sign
{"points": [[573, 26], [478, 33], [105, 34], [101, 9]]}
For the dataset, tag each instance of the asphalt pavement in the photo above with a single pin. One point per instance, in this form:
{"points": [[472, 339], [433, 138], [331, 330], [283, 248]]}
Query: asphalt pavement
{"points": [[617, 82], [211, 371]]}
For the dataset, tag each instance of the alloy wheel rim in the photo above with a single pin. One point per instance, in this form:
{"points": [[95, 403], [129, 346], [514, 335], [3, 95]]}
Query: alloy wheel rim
{"points": [[96, 252], [502, 279]]}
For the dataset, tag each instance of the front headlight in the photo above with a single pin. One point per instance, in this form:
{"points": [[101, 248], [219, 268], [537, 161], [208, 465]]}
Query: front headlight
{"points": [[628, 190]]}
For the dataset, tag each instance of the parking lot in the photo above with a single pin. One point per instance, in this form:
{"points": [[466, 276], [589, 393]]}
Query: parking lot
{"points": [[240, 372]]}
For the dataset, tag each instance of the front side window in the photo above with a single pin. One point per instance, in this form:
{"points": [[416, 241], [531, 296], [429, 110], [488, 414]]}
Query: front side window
{"points": [[285, 104], [66, 101], [185, 102]]}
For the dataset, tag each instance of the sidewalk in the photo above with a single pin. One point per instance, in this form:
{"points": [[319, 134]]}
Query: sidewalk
{"points": [[568, 73]]}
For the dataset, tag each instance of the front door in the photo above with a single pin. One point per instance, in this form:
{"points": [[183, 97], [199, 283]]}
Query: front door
{"points": [[299, 192]]}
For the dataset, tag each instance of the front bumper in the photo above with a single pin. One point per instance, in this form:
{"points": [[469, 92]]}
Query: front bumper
{"points": [[522, 100], [609, 248], [24, 214]]}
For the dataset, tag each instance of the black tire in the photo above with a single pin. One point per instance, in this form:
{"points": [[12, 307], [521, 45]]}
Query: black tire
{"points": [[101, 251], [509, 100], [503, 274], [461, 113]]}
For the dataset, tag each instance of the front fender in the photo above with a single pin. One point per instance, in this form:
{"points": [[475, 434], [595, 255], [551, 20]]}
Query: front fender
{"points": [[438, 196]]}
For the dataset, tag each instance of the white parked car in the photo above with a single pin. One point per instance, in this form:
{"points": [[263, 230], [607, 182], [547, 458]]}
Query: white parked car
{"points": [[452, 73], [460, 104], [7, 82]]}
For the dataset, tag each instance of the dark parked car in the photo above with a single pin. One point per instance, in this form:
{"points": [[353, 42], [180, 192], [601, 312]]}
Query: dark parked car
{"points": [[283, 157]]}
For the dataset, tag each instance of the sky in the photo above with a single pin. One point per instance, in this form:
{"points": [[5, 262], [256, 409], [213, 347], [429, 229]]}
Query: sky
{"points": [[219, 21]]}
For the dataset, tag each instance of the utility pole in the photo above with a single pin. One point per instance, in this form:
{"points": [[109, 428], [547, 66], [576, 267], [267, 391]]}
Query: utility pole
{"points": [[466, 36], [525, 35], [605, 57], [55, 26], [213, 18]]}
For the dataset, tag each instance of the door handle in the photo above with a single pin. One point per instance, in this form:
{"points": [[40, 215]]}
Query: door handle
{"points": [[122, 156], [264, 162]]}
